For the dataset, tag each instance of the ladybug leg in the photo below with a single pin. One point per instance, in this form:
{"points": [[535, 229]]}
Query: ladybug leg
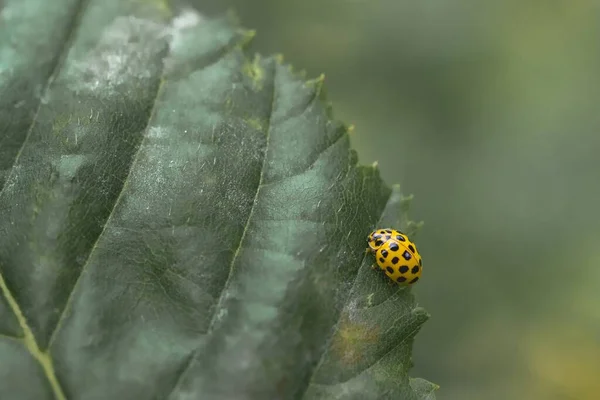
{"points": [[373, 266], [391, 282]]}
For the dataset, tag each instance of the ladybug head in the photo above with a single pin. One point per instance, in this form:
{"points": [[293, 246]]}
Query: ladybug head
{"points": [[376, 240]]}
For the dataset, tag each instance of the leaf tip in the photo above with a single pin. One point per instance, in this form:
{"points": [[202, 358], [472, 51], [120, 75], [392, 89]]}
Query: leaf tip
{"points": [[247, 36], [317, 84], [299, 74], [424, 389], [254, 71], [421, 312], [316, 81], [319, 80], [408, 197], [405, 202], [414, 227]]}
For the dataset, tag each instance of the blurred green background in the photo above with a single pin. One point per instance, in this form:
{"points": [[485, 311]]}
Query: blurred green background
{"points": [[489, 113]]}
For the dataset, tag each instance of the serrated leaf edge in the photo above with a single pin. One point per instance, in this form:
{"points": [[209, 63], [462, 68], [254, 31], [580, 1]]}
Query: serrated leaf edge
{"points": [[44, 357], [334, 329]]}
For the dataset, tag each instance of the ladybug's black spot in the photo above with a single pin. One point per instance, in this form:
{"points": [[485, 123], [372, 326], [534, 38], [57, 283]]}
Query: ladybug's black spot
{"points": [[401, 279], [406, 255], [414, 280], [377, 236], [415, 269], [400, 238], [388, 231], [384, 253], [390, 270], [394, 247], [403, 269], [382, 232], [378, 243], [387, 237], [420, 261], [395, 260], [411, 248], [382, 259]]}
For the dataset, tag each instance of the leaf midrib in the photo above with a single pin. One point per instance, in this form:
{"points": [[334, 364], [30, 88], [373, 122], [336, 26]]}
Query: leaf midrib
{"points": [[28, 340]]}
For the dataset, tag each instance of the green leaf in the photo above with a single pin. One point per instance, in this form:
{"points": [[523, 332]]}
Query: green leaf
{"points": [[425, 390], [180, 220]]}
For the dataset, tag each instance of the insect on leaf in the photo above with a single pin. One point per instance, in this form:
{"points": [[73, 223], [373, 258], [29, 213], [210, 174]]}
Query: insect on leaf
{"points": [[180, 219]]}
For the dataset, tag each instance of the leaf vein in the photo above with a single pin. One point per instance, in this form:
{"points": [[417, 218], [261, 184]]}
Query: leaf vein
{"points": [[245, 231], [237, 251], [29, 340], [317, 157], [80, 8], [10, 337], [391, 297], [106, 223], [410, 335], [335, 327]]}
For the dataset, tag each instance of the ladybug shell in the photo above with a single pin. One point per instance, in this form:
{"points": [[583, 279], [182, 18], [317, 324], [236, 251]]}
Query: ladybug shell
{"points": [[396, 255]]}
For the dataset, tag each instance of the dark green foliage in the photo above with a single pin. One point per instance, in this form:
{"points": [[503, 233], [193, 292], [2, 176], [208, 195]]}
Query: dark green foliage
{"points": [[180, 220]]}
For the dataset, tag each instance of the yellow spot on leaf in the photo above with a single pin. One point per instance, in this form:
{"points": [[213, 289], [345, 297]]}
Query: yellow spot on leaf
{"points": [[353, 339], [255, 72], [255, 123]]}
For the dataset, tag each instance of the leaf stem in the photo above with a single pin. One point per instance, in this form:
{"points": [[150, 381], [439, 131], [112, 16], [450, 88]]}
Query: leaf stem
{"points": [[42, 357]]}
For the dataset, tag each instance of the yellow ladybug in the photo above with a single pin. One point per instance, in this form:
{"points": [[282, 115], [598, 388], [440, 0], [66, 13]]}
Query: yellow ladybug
{"points": [[396, 255]]}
